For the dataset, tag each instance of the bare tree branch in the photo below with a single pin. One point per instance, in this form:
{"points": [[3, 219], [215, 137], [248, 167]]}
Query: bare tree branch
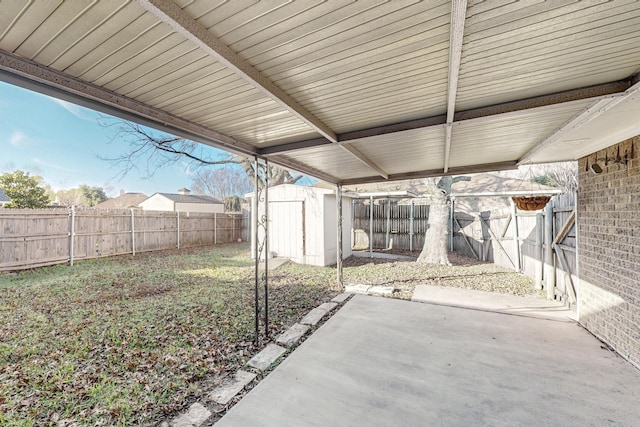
{"points": [[157, 150]]}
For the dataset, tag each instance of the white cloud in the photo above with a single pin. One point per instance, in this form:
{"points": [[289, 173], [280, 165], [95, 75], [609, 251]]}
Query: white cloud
{"points": [[76, 110], [17, 138], [54, 166]]}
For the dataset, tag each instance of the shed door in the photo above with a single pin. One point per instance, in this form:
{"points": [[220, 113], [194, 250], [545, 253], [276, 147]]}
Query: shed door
{"points": [[286, 229]]}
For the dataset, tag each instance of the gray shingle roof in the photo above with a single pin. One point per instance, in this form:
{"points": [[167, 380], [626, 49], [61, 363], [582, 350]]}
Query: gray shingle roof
{"points": [[191, 198], [3, 197]]}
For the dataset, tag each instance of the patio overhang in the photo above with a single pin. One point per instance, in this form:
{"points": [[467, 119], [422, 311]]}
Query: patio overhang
{"points": [[347, 92]]}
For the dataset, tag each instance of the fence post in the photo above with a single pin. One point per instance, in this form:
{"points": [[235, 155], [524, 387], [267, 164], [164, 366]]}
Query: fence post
{"points": [[178, 229], [516, 238], [133, 233], [549, 270], [411, 226], [538, 253], [72, 229], [215, 228]]}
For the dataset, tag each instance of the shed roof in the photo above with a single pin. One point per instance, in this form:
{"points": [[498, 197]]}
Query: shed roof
{"points": [[3, 197], [349, 92]]}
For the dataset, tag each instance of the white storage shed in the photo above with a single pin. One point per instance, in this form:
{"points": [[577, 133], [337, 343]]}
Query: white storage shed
{"points": [[303, 224]]}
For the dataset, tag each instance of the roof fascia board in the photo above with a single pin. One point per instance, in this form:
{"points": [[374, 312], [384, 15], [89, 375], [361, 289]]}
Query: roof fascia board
{"points": [[182, 23], [29, 75], [595, 110], [456, 36], [458, 170], [507, 193]]}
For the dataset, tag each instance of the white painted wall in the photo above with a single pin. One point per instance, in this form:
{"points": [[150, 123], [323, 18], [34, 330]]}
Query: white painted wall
{"points": [[157, 202], [199, 207]]}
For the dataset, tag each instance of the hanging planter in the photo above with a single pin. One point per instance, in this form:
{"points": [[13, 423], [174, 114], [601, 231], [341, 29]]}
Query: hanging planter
{"points": [[531, 203]]}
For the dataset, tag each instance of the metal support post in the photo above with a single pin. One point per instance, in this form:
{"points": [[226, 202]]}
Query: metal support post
{"points": [[265, 224], [339, 236], [256, 248], [370, 226], [516, 238], [261, 239], [388, 222]]}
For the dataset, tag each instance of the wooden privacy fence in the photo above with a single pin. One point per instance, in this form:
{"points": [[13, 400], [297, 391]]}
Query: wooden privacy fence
{"points": [[394, 226], [37, 237], [540, 244]]}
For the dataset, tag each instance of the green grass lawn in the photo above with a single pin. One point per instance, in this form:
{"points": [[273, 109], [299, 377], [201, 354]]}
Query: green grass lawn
{"points": [[126, 340], [131, 340]]}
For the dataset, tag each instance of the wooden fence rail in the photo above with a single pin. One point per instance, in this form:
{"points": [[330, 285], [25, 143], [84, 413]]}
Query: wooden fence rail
{"points": [[37, 237]]}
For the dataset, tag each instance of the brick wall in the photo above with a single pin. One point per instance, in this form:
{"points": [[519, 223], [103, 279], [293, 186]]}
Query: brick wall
{"points": [[609, 248]]}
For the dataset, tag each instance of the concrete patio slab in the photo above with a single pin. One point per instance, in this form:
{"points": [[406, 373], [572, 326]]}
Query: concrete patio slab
{"points": [[386, 362], [491, 301]]}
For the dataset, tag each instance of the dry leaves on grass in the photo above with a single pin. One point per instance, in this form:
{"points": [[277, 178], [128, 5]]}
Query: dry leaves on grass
{"points": [[128, 340]]}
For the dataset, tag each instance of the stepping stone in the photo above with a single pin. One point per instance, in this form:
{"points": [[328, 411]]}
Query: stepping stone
{"points": [[266, 357], [357, 289], [341, 298], [232, 386], [313, 317], [292, 335], [195, 416], [385, 291], [328, 306]]}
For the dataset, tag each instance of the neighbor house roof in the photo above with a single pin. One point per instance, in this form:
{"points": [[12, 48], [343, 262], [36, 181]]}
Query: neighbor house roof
{"points": [[190, 198], [348, 92], [126, 200]]}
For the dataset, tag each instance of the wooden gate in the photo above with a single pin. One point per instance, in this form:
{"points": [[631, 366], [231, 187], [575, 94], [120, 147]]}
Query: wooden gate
{"points": [[520, 240]]}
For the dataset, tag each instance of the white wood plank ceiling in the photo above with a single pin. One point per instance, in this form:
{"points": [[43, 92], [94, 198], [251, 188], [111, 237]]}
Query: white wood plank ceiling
{"points": [[346, 91]]}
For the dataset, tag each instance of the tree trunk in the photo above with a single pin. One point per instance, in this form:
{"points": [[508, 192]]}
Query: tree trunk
{"points": [[434, 250]]}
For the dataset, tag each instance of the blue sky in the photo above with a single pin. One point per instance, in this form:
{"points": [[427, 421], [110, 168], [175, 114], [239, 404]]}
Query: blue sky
{"points": [[63, 143]]}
